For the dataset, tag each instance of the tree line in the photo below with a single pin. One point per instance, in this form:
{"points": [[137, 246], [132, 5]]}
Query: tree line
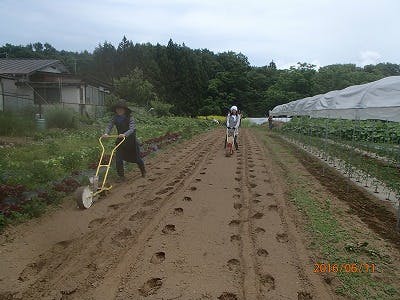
{"points": [[198, 81]]}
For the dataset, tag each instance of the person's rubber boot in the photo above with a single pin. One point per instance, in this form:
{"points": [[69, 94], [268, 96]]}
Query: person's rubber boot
{"points": [[143, 171], [121, 179]]}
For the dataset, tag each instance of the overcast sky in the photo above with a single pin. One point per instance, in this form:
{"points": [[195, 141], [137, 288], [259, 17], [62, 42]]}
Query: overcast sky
{"points": [[287, 31]]}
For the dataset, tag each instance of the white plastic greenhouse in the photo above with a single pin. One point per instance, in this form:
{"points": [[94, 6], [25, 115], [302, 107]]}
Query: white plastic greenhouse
{"points": [[378, 100]]}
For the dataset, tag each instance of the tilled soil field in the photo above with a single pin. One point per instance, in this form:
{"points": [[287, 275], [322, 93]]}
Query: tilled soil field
{"points": [[200, 226]]}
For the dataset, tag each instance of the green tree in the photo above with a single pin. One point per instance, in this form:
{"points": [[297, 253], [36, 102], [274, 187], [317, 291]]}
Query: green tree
{"points": [[340, 76], [134, 88], [199, 81], [104, 58]]}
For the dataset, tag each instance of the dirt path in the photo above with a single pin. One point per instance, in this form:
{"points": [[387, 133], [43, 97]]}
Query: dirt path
{"points": [[201, 226]]}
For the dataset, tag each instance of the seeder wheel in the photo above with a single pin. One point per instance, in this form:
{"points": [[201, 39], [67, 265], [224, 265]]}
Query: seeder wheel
{"points": [[84, 197]]}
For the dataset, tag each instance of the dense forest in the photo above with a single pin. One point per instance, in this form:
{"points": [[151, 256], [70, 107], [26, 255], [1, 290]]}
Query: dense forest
{"points": [[198, 81]]}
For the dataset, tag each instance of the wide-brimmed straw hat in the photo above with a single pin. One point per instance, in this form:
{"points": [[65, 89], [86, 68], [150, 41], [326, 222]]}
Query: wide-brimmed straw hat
{"points": [[121, 104]]}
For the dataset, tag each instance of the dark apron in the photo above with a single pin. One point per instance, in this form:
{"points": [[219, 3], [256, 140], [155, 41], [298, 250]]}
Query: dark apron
{"points": [[129, 149]]}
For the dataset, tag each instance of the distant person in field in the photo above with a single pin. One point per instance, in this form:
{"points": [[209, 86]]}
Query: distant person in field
{"points": [[129, 150], [240, 117], [233, 121], [270, 123]]}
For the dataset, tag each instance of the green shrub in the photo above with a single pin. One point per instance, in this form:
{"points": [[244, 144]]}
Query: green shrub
{"points": [[15, 125], [52, 148], [86, 119], [246, 124], [91, 153], [161, 108], [58, 117], [28, 111], [39, 136], [56, 132], [110, 100], [34, 208], [71, 161], [50, 133], [41, 172], [17, 217], [3, 221]]}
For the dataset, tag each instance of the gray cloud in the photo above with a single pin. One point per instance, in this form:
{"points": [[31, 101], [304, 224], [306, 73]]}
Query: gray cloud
{"points": [[288, 31]]}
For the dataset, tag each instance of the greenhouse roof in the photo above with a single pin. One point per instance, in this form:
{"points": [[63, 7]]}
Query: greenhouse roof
{"points": [[375, 100]]}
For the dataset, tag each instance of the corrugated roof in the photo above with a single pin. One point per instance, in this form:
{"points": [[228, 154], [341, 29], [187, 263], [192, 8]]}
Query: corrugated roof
{"points": [[24, 66]]}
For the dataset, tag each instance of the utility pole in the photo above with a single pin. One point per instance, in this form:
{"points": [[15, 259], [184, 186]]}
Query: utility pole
{"points": [[75, 65]]}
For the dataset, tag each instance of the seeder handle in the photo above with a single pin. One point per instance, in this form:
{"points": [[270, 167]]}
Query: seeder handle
{"points": [[116, 146], [111, 156]]}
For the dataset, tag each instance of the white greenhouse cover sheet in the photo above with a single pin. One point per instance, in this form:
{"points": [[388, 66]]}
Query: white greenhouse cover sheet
{"points": [[375, 100]]}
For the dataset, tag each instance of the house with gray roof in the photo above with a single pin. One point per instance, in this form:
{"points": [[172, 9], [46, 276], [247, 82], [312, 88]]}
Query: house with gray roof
{"points": [[38, 83]]}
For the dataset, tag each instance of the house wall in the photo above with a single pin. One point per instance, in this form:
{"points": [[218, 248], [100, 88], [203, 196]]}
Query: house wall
{"points": [[70, 94], [95, 110], [25, 91], [47, 95], [15, 98], [81, 98], [1, 96], [94, 95], [94, 98], [84, 99]]}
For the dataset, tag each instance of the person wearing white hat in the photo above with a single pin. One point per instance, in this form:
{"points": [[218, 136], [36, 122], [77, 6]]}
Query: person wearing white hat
{"points": [[233, 121]]}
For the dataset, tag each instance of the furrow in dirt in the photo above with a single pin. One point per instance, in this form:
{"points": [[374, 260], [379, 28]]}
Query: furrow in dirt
{"points": [[277, 207], [377, 215], [251, 276], [201, 226], [114, 287], [84, 262], [200, 260]]}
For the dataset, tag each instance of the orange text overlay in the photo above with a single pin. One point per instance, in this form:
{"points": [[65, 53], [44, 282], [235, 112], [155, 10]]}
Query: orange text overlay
{"points": [[344, 268]]}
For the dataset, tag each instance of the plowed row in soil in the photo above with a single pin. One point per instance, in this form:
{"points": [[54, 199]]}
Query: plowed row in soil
{"points": [[200, 226]]}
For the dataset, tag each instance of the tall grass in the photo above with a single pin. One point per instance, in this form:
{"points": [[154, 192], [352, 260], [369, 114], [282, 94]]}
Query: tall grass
{"points": [[58, 117], [16, 125]]}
